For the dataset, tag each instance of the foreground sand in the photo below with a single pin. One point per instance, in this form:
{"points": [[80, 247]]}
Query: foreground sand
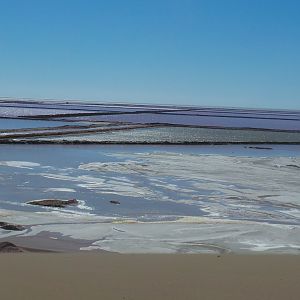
{"points": [[112, 276]]}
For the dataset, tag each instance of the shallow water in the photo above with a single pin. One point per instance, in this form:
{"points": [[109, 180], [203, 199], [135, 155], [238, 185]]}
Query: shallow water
{"points": [[194, 120], [20, 123], [156, 183], [194, 116]]}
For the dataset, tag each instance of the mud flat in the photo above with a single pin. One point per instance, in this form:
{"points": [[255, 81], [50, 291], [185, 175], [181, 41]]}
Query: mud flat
{"points": [[135, 277]]}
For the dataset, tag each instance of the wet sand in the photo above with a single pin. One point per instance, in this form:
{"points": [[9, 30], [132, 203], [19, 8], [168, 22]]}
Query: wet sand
{"points": [[112, 276]]}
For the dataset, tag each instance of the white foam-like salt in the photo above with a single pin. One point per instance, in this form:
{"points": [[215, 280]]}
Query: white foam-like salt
{"points": [[19, 164], [64, 190]]}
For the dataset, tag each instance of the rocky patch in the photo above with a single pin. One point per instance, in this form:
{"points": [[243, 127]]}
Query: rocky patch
{"points": [[260, 148], [54, 202], [9, 226], [115, 202], [7, 247]]}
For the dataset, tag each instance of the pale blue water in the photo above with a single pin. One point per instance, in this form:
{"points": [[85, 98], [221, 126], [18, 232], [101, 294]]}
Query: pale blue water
{"points": [[176, 115], [141, 195], [20, 123]]}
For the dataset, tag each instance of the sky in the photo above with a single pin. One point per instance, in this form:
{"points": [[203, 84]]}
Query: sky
{"points": [[240, 53]]}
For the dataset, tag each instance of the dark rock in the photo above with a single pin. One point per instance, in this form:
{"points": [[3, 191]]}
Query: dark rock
{"points": [[114, 202], [8, 226], [293, 166], [54, 202], [7, 247], [260, 148]]}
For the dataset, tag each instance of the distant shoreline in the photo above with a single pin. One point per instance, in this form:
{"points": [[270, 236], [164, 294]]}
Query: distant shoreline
{"points": [[66, 142]]}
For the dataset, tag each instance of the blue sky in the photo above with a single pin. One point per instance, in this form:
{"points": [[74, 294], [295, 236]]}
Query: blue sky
{"points": [[243, 53]]}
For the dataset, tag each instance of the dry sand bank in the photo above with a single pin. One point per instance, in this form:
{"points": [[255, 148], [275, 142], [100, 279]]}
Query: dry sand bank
{"points": [[112, 276]]}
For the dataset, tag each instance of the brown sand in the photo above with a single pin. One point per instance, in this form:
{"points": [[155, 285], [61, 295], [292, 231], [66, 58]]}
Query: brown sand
{"points": [[112, 276]]}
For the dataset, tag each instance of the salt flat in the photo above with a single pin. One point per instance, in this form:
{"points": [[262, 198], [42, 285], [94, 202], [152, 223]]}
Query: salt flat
{"points": [[175, 201]]}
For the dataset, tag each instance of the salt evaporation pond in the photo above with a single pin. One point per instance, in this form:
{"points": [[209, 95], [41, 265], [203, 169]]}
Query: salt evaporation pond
{"points": [[22, 123], [196, 120], [181, 135]]}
